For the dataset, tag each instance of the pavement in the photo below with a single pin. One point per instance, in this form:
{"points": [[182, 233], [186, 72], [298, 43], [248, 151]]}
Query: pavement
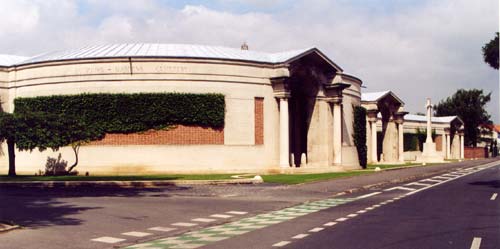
{"points": [[90, 217]]}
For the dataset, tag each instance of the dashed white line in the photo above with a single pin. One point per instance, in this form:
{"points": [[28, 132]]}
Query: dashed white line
{"points": [[341, 219], [225, 216], [494, 196], [136, 234], [281, 243], [329, 224], [476, 243], [430, 180], [300, 236], [400, 188], [369, 195], [184, 224], [162, 229], [352, 215], [316, 229], [108, 240], [237, 212], [203, 220], [417, 184], [361, 211]]}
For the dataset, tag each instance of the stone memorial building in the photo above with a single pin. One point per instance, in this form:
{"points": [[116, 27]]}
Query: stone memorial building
{"points": [[282, 110]]}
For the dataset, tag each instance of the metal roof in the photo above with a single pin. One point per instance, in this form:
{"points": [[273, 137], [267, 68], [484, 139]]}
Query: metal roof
{"points": [[419, 118], [8, 60], [370, 97], [165, 50]]}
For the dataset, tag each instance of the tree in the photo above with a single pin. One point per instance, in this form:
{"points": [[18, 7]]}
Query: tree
{"points": [[490, 52], [468, 105], [8, 134], [28, 131]]}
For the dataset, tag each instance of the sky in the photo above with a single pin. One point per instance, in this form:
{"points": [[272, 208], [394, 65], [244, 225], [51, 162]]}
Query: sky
{"points": [[415, 48]]}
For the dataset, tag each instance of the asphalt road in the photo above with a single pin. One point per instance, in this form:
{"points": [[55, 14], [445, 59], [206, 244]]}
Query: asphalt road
{"points": [[455, 213], [92, 218]]}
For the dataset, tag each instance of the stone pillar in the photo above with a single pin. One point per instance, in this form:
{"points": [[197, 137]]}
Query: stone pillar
{"points": [[337, 131], [462, 152], [443, 145], [401, 143], [448, 146], [374, 141], [284, 133]]}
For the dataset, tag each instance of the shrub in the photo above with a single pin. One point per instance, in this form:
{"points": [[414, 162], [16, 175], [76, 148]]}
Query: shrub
{"points": [[359, 135], [56, 167]]}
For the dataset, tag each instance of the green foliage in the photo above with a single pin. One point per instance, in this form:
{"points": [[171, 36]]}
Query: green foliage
{"points": [[411, 142], [129, 113], [359, 134], [468, 105], [490, 52]]}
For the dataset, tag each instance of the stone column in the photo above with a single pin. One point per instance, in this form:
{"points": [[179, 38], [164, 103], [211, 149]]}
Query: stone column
{"points": [[448, 144], [462, 152], [443, 145], [337, 131], [401, 143], [374, 141], [284, 133]]}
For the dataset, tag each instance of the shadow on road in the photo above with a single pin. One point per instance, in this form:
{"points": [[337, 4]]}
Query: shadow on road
{"points": [[492, 184], [39, 207]]}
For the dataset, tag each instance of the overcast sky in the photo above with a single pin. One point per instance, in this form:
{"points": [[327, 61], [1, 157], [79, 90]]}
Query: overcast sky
{"points": [[416, 48]]}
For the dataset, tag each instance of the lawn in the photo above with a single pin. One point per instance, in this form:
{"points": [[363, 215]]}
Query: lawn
{"points": [[116, 178], [388, 166], [303, 178]]}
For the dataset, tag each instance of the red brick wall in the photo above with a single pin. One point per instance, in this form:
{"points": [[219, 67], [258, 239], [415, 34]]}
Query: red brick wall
{"points": [[471, 152], [439, 143], [259, 120], [179, 134]]}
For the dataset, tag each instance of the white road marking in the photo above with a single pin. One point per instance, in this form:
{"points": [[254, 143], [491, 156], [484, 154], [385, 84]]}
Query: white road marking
{"points": [[237, 212], [341, 219], [162, 229], [361, 211], [203, 220], [430, 180], [137, 234], [494, 196], [281, 243], [369, 208], [316, 229], [225, 216], [400, 188], [184, 224], [329, 224], [476, 243], [368, 195], [109, 240], [441, 177], [300, 236], [489, 165], [352, 215], [376, 206], [417, 184]]}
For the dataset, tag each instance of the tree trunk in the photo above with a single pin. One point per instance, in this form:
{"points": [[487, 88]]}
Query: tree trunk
{"points": [[12, 157], [75, 148]]}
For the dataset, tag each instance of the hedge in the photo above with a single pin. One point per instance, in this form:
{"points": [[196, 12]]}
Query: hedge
{"points": [[359, 134], [129, 113]]}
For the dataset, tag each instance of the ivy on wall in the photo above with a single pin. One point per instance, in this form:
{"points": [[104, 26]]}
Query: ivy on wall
{"points": [[129, 113], [359, 134]]}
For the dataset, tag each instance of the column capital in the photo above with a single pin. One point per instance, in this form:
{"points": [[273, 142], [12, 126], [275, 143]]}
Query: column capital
{"points": [[399, 117], [337, 100], [372, 115], [281, 87], [447, 131]]}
